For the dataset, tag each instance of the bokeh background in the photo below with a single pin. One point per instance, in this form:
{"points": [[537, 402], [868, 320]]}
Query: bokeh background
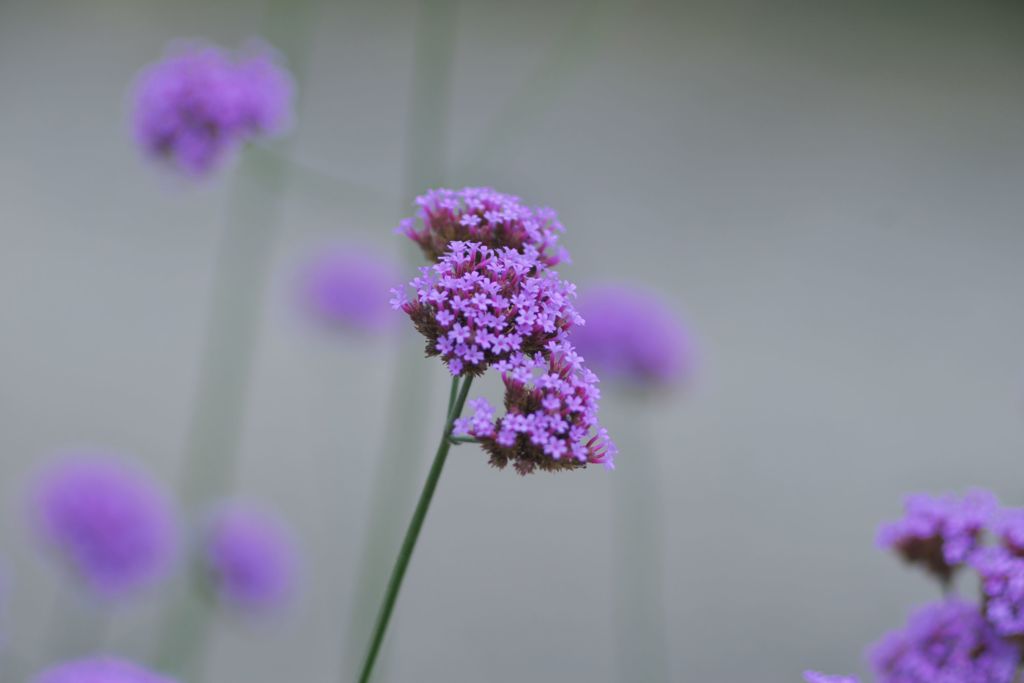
{"points": [[829, 193]]}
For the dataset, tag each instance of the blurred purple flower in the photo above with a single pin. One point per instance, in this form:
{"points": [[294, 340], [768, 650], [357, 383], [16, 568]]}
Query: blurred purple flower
{"points": [[1008, 526], [939, 532], [199, 104], [551, 423], [631, 335], [478, 305], [98, 670], [944, 641], [108, 522], [815, 677], [486, 216], [1002, 583], [249, 559], [348, 286]]}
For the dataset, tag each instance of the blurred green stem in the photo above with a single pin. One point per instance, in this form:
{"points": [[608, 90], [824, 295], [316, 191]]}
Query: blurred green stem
{"points": [[393, 480], [641, 648], [413, 533], [242, 270]]}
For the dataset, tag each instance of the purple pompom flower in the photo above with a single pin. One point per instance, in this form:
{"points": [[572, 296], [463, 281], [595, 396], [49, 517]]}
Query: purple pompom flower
{"points": [[815, 677], [483, 215], [551, 419], [199, 104], [939, 532], [1008, 526], [944, 641], [109, 523], [248, 559], [348, 286], [99, 670], [632, 336], [1002, 583], [479, 305]]}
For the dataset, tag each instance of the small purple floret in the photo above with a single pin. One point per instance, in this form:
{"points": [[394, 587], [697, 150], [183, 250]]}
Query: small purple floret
{"points": [[249, 559], [199, 104], [631, 335], [99, 670], [944, 641], [483, 215], [939, 532], [348, 286], [109, 523]]}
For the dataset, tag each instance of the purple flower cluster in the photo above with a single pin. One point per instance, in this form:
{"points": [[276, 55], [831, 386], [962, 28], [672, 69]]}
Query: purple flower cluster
{"points": [[485, 216], [815, 677], [632, 336], [491, 300], [947, 641], [939, 532], [1008, 526], [200, 103], [110, 524], [346, 286], [99, 670], [480, 305], [551, 419], [1002, 582], [248, 559]]}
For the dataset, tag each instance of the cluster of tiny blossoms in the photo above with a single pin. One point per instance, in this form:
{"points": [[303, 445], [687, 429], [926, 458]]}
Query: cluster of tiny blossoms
{"points": [[490, 299], [485, 216], [200, 103], [551, 420], [479, 305], [939, 532], [956, 640]]}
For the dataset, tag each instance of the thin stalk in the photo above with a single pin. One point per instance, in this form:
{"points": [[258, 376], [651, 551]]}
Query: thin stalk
{"points": [[413, 533], [242, 268], [393, 486]]}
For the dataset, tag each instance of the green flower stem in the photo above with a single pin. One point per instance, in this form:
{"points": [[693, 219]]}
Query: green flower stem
{"points": [[413, 533]]}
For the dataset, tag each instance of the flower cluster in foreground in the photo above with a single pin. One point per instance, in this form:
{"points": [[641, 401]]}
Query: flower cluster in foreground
{"points": [[939, 532], [200, 103], [484, 216], [479, 305], [99, 670], [954, 639], [948, 640], [551, 419], [491, 299]]}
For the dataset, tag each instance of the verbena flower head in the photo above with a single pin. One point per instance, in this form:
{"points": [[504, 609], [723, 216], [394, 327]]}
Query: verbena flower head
{"points": [[1002, 583], [480, 214], [347, 286], [815, 677], [944, 642], [248, 559], [199, 104], [478, 306], [1008, 526], [939, 532], [99, 670], [632, 336], [109, 523], [551, 415]]}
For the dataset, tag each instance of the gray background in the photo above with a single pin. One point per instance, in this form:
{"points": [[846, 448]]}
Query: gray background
{"points": [[829, 192]]}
